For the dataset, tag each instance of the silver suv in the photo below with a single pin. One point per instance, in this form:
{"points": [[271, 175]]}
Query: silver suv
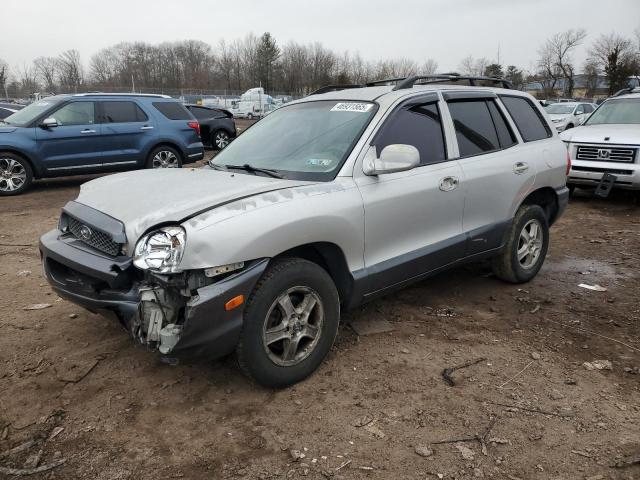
{"points": [[607, 143], [329, 202]]}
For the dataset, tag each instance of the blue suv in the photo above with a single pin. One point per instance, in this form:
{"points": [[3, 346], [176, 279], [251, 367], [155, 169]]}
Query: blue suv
{"points": [[92, 133]]}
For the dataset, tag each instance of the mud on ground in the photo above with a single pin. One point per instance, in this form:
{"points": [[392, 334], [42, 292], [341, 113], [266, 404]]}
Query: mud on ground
{"points": [[111, 410]]}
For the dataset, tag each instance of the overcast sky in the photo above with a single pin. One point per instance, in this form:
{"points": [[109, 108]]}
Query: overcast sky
{"points": [[446, 30]]}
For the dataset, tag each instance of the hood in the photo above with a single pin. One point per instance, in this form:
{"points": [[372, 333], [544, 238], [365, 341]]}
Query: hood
{"points": [[7, 129], [619, 134], [142, 199]]}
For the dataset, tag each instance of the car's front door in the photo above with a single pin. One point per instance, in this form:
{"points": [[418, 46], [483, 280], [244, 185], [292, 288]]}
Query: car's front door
{"points": [[74, 143], [126, 129], [413, 219]]}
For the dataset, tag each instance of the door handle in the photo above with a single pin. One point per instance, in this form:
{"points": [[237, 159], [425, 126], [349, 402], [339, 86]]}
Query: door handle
{"points": [[520, 167], [86, 130], [146, 127], [448, 183]]}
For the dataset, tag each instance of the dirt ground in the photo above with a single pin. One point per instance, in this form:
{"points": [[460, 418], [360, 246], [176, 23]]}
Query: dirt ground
{"points": [[75, 382]]}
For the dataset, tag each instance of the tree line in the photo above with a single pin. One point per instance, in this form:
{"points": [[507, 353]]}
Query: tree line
{"points": [[297, 68]]}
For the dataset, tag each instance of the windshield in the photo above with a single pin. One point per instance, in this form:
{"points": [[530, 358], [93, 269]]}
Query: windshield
{"points": [[560, 109], [619, 110], [305, 141], [30, 113]]}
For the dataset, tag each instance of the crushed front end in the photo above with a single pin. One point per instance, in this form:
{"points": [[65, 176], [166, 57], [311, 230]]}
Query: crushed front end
{"points": [[192, 312]]}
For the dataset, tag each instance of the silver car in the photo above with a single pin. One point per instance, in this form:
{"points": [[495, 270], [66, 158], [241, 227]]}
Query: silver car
{"points": [[567, 115], [329, 202]]}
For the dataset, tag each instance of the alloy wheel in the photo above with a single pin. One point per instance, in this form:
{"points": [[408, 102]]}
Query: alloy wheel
{"points": [[530, 244], [293, 326], [165, 159], [221, 140], [12, 175]]}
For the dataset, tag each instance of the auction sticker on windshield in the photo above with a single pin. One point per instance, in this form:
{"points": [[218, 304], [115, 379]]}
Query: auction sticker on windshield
{"points": [[352, 107]]}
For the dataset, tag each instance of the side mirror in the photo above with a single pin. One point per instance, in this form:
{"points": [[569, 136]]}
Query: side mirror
{"points": [[393, 158], [49, 123]]}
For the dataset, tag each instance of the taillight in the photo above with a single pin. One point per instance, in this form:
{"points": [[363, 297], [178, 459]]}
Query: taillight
{"points": [[568, 163], [195, 126]]}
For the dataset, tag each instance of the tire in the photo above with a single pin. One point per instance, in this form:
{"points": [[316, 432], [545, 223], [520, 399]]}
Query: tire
{"points": [[507, 266], [220, 139], [250, 116], [264, 351], [16, 174], [164, 157]]}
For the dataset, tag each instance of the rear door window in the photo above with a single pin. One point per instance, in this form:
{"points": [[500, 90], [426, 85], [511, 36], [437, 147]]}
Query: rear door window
{"points": [[505, 134], [122, 112], [420, 126], [173, 110], [201, 112], [474, 127], [527, 118]]}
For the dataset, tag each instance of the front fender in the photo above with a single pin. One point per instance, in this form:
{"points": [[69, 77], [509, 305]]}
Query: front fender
{"points": [[266, 225]]}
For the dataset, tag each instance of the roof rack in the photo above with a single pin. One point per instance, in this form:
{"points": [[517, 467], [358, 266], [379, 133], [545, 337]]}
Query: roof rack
{"points": [[384, 81], [334, 88], [627, 90], [409, 82], [103, 94]]}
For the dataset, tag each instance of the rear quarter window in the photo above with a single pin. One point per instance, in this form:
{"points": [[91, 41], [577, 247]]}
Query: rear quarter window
{"points": [[173, 110], [527, 118]]}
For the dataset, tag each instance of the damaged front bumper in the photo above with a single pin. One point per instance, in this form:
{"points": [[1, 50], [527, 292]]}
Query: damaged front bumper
{"points": [[179, 316]]}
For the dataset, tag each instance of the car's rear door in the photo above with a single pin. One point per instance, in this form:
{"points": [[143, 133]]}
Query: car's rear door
{"points": [[127, 130], [498, 171], [413, 219], [75, 143]]}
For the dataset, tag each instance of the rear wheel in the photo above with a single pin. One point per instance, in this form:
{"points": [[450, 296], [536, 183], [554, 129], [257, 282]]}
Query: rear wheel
{"points": [[164, 157], [290, 323], [526, 246], [15, 174], [220, 139]]}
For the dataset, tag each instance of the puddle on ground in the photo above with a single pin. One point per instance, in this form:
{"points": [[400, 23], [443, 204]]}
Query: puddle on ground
{"points": [[595, 268]]}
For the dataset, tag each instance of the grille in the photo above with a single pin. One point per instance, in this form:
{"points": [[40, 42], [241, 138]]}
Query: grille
{"points": [[606, 154], [96, 239]]}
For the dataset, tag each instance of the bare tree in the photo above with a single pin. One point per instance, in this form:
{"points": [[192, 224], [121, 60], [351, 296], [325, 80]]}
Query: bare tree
{"points": [[591, 72], [27, 79], [4, 76], [475, 67], [70, 72], [616, 57], [47, 70], [429, 67], [559, 50]]}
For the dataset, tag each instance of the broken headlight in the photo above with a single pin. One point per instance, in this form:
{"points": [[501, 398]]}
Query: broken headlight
{"points": [[161, 251]]}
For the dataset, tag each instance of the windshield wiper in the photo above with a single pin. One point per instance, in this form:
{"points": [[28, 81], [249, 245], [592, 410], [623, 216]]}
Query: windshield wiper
{"points": [[215, 166], [249, 168]]}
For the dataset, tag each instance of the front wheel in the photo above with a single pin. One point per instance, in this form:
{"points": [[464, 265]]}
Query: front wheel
{"points": [[15, 174], [526, 246], [290, 323], [164, 157]]}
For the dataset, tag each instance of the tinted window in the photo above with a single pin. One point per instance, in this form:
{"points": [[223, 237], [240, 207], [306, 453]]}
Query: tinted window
{"points": [[4, 113], [122, 112], [75, 113], [587, 108], [419, 126], [474, 127], [505, 134], [200, 112], [172, 110], [527, 118]]}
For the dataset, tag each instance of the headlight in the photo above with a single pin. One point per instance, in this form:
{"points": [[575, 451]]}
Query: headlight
{"points": [[161, 251]]}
